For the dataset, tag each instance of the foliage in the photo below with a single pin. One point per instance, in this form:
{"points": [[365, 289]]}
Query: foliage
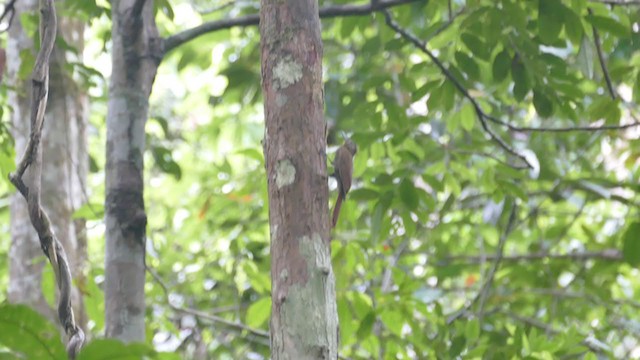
{"points": [[446, 247]]}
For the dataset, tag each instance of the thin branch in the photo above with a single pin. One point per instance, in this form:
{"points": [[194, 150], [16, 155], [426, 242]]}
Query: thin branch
{"points": [[590, 342], [386, 283], [215, 8], [32, 157], [482, 116], [481, 296], [10, 11], [204, 315], [618, 2], [484, 292], [490, 156], [330, 11], [446, 25], [603, 64], [605, 255], [570, 128]]}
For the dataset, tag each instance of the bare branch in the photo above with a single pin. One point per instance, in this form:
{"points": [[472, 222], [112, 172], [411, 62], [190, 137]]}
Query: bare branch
{"points": [[605, 255], [618, 2], [482, 116], [49, 243], [603, 64], [590, 342], [204, 315], [481, 296], [570, 128], [330, 11], [10, 11]]}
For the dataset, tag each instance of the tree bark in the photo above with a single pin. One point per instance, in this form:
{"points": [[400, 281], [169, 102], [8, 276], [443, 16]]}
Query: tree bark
{"points": [[134, 62], [304, 321], [65, 165]]}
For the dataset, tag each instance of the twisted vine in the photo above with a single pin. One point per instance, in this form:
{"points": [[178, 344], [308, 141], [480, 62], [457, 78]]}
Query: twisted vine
{"points": [[31, 188]]}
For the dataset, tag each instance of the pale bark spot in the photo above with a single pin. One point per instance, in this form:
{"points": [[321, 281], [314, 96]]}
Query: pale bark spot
{"points": [[284, 274], [285, 173], [286, 73], [281, 100]]}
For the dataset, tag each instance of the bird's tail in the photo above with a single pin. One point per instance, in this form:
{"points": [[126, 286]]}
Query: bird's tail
{"points": [[336, 211]]}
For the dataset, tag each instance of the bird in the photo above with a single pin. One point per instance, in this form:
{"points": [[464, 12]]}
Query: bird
{"points": [[343, 165]]}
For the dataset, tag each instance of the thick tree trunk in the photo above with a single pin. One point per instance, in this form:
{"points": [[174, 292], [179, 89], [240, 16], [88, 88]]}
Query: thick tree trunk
{"points": [[65, 164], [304, 320], [134, 64]]}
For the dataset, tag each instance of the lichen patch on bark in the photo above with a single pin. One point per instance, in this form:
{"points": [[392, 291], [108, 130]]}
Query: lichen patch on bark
{"points": [[285, 173], [286, 73]]}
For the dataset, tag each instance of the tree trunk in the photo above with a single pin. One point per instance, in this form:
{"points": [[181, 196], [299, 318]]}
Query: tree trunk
{"points": [[134, 63], [304, 320], [65, 165]]}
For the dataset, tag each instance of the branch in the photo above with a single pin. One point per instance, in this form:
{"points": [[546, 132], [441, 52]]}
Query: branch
{"points": [[603, 65], [10, 11], [49, 243], [618, 2], [481, 296], [482, 116], [605, 255], [330, 11], [568, 128], [203, 315], [590, 342]]}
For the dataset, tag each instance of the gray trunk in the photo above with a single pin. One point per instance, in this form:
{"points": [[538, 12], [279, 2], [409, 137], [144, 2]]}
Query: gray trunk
{"points": [[134, 65], [304, 320], [65, 165]]}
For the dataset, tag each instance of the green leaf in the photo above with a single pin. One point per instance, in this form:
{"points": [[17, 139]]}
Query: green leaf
{"points": [[573, 25], [468, 65], [448, 95], [114, 349], [605, 108], [549, 20], [543, 105], [500, 68], [366, 325], [609, 25], [28, 333], [89, 211], [165, 162], [467, 116], [166, 8], [476, 45], [259, 312], [393, 320], [27, 62], [631, 244], [364, 194], [472, 330], [408, 194], [424, 90], [457, 345], [520, 80]]}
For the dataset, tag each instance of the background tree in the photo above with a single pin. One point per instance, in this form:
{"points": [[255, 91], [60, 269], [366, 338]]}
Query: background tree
{"points": [[64, 168], [494, 202]]}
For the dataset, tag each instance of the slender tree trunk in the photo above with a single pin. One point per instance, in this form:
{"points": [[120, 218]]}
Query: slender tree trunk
{"points": [[134, 63], [65, 163], [304, 320]]}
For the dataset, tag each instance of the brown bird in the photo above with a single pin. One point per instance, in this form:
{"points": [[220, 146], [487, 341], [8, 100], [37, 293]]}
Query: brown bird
{"points": [[343, 164]]}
